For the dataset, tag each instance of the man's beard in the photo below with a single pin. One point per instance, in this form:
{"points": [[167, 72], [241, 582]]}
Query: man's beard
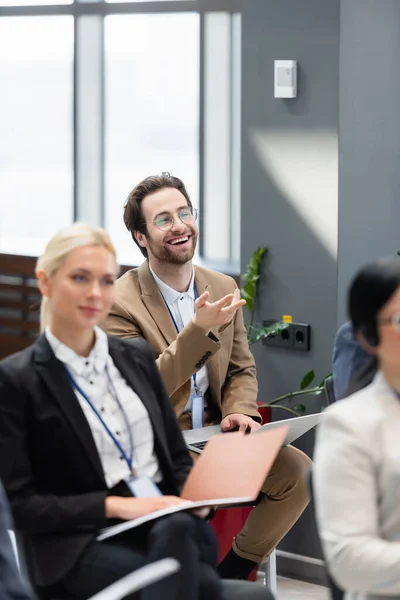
{"points": [[164, 254]]}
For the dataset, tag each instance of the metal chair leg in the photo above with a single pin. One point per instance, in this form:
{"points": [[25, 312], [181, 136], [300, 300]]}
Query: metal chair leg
{"points": [[267, 574], [271, 573], [14, 547]]}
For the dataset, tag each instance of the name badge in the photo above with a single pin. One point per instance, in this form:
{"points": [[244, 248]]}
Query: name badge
{"points": [[142, 487], [197, 408]]}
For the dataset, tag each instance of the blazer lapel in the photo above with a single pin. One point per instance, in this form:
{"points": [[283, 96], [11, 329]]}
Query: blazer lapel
{"points": [[155, 304], [52, 372], [213, 363], [139, 385], [203, 286]]}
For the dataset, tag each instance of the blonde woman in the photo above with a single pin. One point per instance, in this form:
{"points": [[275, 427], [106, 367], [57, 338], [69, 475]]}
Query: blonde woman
{"points": [[88, 435]]}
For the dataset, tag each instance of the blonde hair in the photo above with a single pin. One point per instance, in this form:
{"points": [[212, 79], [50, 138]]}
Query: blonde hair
{"points": [[77, 235]]}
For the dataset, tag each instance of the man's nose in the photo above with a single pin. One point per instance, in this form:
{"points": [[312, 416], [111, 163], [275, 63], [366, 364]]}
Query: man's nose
{"points": [[177, 224]]}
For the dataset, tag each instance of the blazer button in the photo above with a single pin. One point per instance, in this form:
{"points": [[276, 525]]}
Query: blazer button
{"points": [[208, 354], [197, 365]]}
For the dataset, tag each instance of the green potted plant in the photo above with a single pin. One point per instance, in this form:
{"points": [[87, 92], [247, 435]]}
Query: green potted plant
{"points": [[257, 332]]}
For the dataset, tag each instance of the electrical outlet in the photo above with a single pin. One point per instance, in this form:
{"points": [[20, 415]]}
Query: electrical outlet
{"points": [[301, 336], [297, 336]]}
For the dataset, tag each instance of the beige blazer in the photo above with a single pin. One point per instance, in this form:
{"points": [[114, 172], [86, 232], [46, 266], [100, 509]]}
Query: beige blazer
{"points": [[357, 492], [140, 311]]}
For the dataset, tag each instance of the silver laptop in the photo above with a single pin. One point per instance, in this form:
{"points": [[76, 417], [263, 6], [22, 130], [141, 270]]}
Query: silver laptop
{"points": [[196, 439]]}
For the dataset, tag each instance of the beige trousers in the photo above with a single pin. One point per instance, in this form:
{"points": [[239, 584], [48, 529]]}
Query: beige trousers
{"points": [[285, 495]]}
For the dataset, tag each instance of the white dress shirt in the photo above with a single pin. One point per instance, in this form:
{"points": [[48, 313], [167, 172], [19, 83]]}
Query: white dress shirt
{"points": [[90, 373], [181, 305]]}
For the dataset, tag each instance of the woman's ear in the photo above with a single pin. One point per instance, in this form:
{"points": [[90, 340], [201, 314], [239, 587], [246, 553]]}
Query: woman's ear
{"points": [[44, 282], [364, 344]]}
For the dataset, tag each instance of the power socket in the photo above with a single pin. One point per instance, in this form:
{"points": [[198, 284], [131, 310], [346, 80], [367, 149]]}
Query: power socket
{"points": [[297, 336]]}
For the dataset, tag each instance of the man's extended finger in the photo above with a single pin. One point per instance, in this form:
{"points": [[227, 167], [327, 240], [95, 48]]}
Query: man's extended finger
{"points": [[236, 295], [243, 426], [201, 300], [232, 308], [225, 301]]}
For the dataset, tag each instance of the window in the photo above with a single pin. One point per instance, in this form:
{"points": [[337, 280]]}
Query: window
{"points": [[152, 109], [221, 101], [36, 130], [95, 98]]}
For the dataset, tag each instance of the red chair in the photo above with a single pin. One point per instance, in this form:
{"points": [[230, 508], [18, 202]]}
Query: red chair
{"points": [[227, 522]]}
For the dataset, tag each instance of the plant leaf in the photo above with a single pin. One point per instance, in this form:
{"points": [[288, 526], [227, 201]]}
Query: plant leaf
{"points": [[307, 379], [252, 273], [249, 303], [246, 296], [300, 408], [260, 332], [250, 289]]}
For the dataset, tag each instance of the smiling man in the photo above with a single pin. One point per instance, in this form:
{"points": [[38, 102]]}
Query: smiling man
{"points": [[192, 317]]}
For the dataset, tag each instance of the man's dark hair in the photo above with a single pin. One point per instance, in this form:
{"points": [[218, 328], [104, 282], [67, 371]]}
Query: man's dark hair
{"points": [[133, 216], [371, 288]]}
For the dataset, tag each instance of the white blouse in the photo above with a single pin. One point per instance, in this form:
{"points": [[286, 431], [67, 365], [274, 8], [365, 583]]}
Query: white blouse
{"points": [[90, 373]]}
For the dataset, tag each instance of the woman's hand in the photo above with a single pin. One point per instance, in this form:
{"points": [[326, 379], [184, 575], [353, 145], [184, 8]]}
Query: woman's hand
{"points": [[118, 507]]}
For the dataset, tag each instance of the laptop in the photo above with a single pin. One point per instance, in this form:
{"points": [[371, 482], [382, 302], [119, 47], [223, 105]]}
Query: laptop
{"points": [[213, 482], [196, 439]]}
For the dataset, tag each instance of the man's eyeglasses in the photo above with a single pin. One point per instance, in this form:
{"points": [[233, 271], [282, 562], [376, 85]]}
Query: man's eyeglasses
{"points": [[165, 221], [393, 320]]}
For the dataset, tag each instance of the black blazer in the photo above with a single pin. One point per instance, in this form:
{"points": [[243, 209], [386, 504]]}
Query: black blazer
{"points": [[12, 587], [49, 463]]}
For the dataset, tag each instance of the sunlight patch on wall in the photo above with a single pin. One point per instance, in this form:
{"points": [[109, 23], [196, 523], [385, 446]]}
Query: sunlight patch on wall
{"points": [[303, 165]]}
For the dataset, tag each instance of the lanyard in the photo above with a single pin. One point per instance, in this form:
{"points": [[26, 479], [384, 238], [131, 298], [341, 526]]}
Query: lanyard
{"points": [[112, 390], [177, 328]]}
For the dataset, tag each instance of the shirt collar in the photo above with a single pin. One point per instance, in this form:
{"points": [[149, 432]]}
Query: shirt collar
{"points": [[81, 365], [168, 293]]}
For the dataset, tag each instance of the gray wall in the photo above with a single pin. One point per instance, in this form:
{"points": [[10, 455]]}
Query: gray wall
{"points": [[299, 277], [293, 218], [287, 191], [369, 181]]}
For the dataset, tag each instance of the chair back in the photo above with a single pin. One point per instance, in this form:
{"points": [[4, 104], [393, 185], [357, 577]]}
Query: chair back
{"points": [[19, 303], [329, 391]]}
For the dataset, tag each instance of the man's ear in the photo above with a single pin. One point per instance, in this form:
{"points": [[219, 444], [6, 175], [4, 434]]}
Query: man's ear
{"points": [[44, 282], [140, 238]]}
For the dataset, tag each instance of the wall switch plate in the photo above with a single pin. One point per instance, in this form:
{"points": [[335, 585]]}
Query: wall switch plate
{"points": [[297, 336]]}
